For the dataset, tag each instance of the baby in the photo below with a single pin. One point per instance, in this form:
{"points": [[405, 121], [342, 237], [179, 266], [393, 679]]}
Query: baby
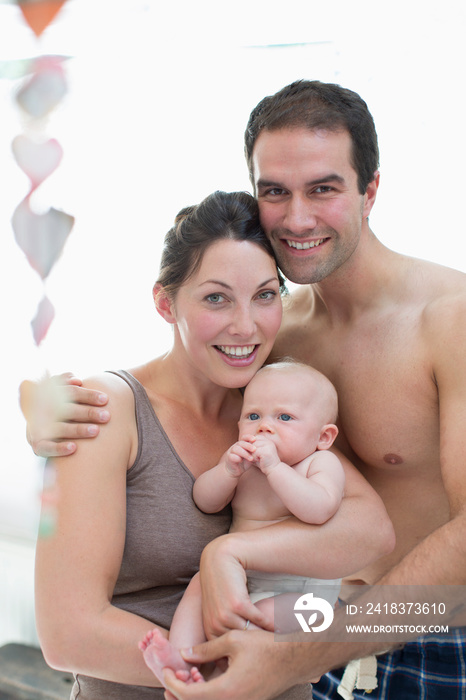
{"points": [[280, 467]]}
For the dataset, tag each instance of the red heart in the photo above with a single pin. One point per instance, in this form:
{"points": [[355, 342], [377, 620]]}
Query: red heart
{"points": [[40, 14]]}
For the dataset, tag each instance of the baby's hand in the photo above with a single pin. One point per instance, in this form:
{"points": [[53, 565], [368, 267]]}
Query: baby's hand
{"points": [[239, 457], [266, 456]]}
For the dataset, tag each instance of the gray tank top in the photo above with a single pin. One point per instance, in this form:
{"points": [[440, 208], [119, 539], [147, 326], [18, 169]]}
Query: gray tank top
{"points": [[165, 536]]}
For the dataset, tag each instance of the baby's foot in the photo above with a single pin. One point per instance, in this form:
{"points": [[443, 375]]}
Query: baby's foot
{"points": [[191, 676], [159, 653]]}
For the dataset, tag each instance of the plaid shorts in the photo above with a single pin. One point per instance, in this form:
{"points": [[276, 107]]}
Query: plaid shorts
{"points": [[430, 668]]}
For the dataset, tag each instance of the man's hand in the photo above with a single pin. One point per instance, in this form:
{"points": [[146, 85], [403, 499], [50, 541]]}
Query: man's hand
{"points": [[59, 409], [259, 668]]}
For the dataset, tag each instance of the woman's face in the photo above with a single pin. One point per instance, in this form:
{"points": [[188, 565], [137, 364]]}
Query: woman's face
{"points": [[228, 313]]}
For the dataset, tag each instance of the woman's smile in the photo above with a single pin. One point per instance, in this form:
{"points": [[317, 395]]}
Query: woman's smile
{"points": [[239, 355]]}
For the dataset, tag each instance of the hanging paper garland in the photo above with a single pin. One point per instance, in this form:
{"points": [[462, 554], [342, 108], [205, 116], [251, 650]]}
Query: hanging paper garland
{"points": [[40, 13], [41, 236]]}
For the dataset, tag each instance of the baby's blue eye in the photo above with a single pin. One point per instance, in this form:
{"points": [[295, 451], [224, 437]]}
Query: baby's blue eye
{"points": [[284, 416], [253, 416]]}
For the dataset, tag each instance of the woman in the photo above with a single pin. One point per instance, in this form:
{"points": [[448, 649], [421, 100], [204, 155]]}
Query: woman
{"points": [[128, 537]]}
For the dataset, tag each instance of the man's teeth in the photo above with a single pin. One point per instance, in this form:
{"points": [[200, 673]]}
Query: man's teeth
{"points": [[236, 350], [305, 245]]}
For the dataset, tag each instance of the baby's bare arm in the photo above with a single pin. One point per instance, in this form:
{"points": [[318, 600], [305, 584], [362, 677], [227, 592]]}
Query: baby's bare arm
{"points": [[215, 488], [315, 496]]}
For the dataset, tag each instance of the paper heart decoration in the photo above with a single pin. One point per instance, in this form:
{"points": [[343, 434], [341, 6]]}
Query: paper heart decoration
{"points": [[45, 89], [41, 237], [40, 13], [37, 159], [41, 322]]}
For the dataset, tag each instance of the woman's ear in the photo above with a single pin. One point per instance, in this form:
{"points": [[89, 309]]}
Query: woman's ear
{"points": [[327, 437], [163, 303]]}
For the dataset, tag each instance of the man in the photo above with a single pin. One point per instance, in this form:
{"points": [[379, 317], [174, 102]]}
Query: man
{"points": [[390, 333]]}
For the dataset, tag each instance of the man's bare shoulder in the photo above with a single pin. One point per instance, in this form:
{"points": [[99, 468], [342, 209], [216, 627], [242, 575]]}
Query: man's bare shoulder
{"points": [[443, 292], [444, 313]]}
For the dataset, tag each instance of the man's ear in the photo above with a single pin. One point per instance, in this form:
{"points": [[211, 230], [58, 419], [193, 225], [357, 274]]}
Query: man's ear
{"points": [[371, 194], [163, 303], [327, 437]]}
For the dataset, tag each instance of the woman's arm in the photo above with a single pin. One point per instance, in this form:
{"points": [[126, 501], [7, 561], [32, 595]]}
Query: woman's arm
{"points": [[78, 564], [358, 534]]}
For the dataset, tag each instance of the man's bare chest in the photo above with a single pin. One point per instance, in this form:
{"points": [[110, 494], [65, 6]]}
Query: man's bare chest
{"points": [[388, 403]]}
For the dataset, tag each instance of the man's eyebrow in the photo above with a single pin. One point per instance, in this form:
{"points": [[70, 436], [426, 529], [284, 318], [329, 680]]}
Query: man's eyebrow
{"points": [[331, 177]]}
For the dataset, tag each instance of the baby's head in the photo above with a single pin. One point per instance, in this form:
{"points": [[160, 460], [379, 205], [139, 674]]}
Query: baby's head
{"points": [[292, 404]]}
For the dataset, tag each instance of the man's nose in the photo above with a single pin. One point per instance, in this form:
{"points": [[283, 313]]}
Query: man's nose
{"points": [[300, 217]]}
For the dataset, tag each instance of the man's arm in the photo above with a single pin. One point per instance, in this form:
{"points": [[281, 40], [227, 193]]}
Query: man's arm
{"points": [[440, 558], [58, 411]]}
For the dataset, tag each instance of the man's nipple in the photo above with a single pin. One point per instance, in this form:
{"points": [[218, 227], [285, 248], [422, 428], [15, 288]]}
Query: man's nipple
{"points": [[392, 458]]}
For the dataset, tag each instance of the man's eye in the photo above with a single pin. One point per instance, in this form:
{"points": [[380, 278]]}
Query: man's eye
{"points": [[284, 416], [272, 192], [323, 189], [253, 416]]}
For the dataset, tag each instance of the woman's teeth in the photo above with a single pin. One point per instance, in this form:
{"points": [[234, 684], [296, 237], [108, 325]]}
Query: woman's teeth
{"points": [[236, 350]]}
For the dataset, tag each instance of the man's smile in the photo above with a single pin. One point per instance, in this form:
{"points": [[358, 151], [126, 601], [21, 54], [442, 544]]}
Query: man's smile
{"points": [[304, 245]]}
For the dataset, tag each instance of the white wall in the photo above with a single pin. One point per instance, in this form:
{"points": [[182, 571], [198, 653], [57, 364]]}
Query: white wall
{"points": [[159, 97]]}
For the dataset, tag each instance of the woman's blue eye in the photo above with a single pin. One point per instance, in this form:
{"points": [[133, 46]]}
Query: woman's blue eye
{"points": [[253, 416], [214, 298], [284, 416]]}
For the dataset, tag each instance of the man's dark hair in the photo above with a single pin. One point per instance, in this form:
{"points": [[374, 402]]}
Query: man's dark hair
{"points": [[315, 105]]}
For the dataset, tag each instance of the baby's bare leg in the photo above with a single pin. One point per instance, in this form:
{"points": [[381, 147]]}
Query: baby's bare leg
{"points": [[159, 654], [186, 630]]}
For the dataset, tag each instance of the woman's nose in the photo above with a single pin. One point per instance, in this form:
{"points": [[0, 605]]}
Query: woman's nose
{"points": [[243, 323]]}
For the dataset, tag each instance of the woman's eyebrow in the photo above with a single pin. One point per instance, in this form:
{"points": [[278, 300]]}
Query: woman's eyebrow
{"points": [[227, 286]]}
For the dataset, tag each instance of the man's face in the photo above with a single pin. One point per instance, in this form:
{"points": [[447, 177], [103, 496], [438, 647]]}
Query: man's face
{"points": [[309, 202]]}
